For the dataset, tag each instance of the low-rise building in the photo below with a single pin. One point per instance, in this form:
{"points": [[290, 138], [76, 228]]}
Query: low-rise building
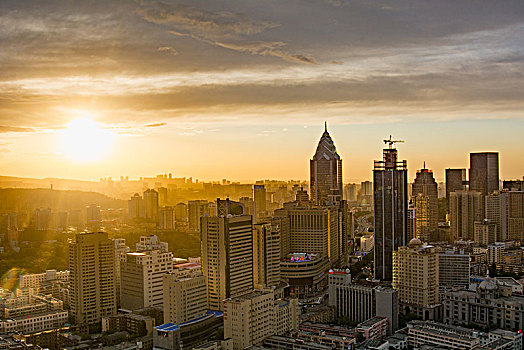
{"points": [[490, 304], [438, 335]]}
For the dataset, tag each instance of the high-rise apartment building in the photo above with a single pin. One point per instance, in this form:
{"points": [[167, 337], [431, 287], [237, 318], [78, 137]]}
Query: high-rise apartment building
{"points": [[465, 207], [485, 232], [92, 277], [166, 218], [93, 217], [227, 257], [390, 198], [425, 194], [136, 207], [196, 210], [151, 204], [455, 181], [142, 274], [326, 172], [416, 277], [184, 296], [484, 172], [120, 248], [266, 255]]}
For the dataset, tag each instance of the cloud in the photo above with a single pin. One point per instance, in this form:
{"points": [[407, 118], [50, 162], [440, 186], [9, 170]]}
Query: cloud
{"points": [[268, 49], [155, 125], [14, 129], [168, 49], [205, 23], [223, 29]]}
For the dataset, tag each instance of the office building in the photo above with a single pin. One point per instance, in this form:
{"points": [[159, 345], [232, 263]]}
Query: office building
{"points": [[326, 172], [415, 276], [360, 302], [316, 229], [184, 296], [455, 182], [425, 198], [142, 274], [92, 277], [453, 269], [227, 257], [196, 210], [266, 255], [464, 209], [484, 172], [390, 198]]}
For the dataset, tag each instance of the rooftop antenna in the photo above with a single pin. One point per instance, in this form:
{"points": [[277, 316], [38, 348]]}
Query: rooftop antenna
{"points": [[424, 165], [391, 142], [325, 126]]}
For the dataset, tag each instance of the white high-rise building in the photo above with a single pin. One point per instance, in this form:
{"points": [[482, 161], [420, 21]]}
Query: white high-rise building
{"points": [[142, 274], [184, 296]]}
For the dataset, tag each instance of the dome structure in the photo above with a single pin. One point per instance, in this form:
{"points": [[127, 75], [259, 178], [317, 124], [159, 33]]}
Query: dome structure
{"points": [[415, 242]]}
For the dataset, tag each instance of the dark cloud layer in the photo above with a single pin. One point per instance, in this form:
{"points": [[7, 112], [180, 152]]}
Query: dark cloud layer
{"points": [[115, 55]]}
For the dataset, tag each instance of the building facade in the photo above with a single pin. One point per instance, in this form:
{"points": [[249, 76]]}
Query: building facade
{"points": [[390, 198]]}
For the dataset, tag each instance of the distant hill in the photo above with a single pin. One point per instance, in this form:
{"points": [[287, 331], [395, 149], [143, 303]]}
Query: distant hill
{"points": [[28, 199]]}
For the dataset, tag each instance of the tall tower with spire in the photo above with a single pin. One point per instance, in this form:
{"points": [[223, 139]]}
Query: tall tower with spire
{"points": [[326, 172]]}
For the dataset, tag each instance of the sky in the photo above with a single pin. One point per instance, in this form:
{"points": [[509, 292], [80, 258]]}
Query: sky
{"points": [[240, 89]]}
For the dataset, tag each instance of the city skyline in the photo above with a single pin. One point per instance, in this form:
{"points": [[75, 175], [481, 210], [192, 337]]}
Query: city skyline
{"points": [[182, 85]]}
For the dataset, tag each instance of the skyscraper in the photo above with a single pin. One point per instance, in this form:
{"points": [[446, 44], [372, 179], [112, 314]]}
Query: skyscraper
{"points": [[227, 257], [326, 172], [259, 196], [390, 198], [464, 209], [92, 277], [455, 181], [425, 195], [484, 172], [266, 255]]}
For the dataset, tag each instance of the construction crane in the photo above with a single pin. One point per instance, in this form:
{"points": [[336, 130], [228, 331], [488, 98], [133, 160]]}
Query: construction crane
{"points": [[391, 142]]}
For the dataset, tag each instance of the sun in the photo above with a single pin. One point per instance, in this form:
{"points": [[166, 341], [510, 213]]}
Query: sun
{"points": [[85, 140]]}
